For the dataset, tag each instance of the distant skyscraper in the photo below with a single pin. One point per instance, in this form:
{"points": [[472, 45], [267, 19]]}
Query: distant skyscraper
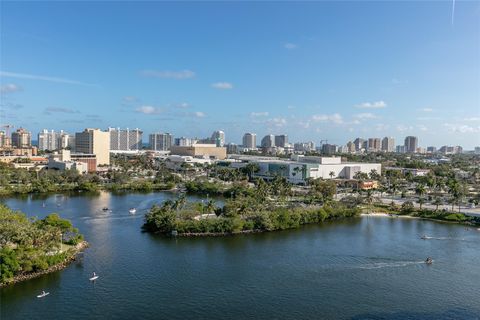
{"points": [[268, 141], [250, 140], [160, 141], [304, 146], [125, 139], [232, 148], [358, 144], [400, 149], [94, 141], [329, 148], [218, 137], [51, 140], [411, 144], [2, 139], [21, 138], [184, 142], [431, 149], [350, 147], [374, 144], [281, 140], [388, 144]]}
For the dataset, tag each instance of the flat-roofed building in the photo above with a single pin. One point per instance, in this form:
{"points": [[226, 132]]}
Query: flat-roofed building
{"points": [[200, 150], [21, 138], [388, 144], [160, 141], [125, 139], [94, 141], [250, 140]]}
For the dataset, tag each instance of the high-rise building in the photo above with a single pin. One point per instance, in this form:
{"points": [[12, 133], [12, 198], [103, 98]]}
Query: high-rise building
{"points": [[268, 141], [350, 147], [451, 149], [374, 144], [125, 139], [250, 140], [329, 148], [2, 139], [160, 141], [94, 141], [47, 140], [431, 149], [281, 141], [232, 148], [304, 146], [184, 142], [218, 137], [388, 144], [358, 144], [411, 144], [400, 149], [21, 138]]}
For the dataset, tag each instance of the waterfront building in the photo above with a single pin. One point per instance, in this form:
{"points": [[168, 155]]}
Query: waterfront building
{"points": [[388, 144], [125, 139], [21, 138], [160, 141], [94, 141], [249, 140], [411, 144]]}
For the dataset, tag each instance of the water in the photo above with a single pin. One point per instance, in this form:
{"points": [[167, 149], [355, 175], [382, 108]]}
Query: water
{"points": [[364, 268]]}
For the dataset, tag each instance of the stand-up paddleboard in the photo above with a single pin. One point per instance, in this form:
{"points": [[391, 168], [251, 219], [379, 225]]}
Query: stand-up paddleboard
{"points": [[43, 294], [94, 277]]}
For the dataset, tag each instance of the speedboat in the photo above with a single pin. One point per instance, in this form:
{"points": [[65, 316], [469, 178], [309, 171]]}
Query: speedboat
{"points": [[429, 260], [424, 237], [132, 210], [105, 209], [43, 294], [94, 277]]}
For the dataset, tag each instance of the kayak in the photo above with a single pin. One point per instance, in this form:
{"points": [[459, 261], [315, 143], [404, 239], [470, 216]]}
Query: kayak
{"points": [[43, 294]]}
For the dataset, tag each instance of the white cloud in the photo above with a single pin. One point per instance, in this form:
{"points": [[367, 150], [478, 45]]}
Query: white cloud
{"points": [[472, 119], [199, 114], [222, 85], [51, 110], [372, 105], [290, 107], [178, 75], [277, 122], [183, 105], [10, 88], [148, 110], [402, 128], [335, 118], [421, 127], [426, 109], [42, 78], [365, 115], [290, 46], [259, 114], [462, 128]]}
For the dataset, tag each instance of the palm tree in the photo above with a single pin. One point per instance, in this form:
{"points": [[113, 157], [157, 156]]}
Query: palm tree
{"points": [[420, 191], [331, 174], [437, 202]]}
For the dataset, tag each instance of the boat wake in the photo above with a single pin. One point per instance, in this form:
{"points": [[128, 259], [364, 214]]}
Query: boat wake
{"points": [[396, 264], [442, 238]]}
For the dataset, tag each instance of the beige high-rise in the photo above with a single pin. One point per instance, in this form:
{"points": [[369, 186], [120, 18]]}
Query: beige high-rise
{"points": [[94, 141]]}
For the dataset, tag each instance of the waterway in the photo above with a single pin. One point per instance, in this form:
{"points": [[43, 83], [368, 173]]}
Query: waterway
{"points": [[362, 268]]}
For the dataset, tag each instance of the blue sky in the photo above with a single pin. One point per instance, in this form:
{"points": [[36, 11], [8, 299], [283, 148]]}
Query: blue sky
{"points": [[312, 70]]}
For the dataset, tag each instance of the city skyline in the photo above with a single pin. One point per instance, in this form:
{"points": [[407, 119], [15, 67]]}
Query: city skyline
{"points": [[315, 78]]}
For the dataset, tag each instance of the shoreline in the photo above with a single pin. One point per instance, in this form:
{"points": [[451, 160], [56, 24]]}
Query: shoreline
{"points": [[407, 216], [60, 266]]}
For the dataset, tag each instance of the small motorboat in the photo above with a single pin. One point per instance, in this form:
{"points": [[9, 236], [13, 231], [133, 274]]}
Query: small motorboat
{"points": [[105, 209], [132, 210], [424, 237], [429, 260], [44, 205], [43, 294], [94, 277]]}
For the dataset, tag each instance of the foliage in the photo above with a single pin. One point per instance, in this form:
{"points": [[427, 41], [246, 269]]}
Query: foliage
{"points": [[29, 245]]}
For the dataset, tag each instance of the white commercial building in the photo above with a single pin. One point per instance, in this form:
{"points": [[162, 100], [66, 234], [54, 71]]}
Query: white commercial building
{"points": [[125, 139], [94, 141], [160, 141], [51, 140]]}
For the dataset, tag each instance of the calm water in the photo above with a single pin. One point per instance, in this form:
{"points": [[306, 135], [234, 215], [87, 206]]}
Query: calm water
{"points": [[365, 268]]}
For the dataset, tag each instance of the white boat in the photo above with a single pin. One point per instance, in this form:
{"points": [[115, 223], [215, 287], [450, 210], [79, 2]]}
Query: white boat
{"points": [[43, 294], [132, 210], [94, 277]]}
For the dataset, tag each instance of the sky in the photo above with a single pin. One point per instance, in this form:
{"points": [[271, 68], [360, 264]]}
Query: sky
{"points": [[313, 70]]}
